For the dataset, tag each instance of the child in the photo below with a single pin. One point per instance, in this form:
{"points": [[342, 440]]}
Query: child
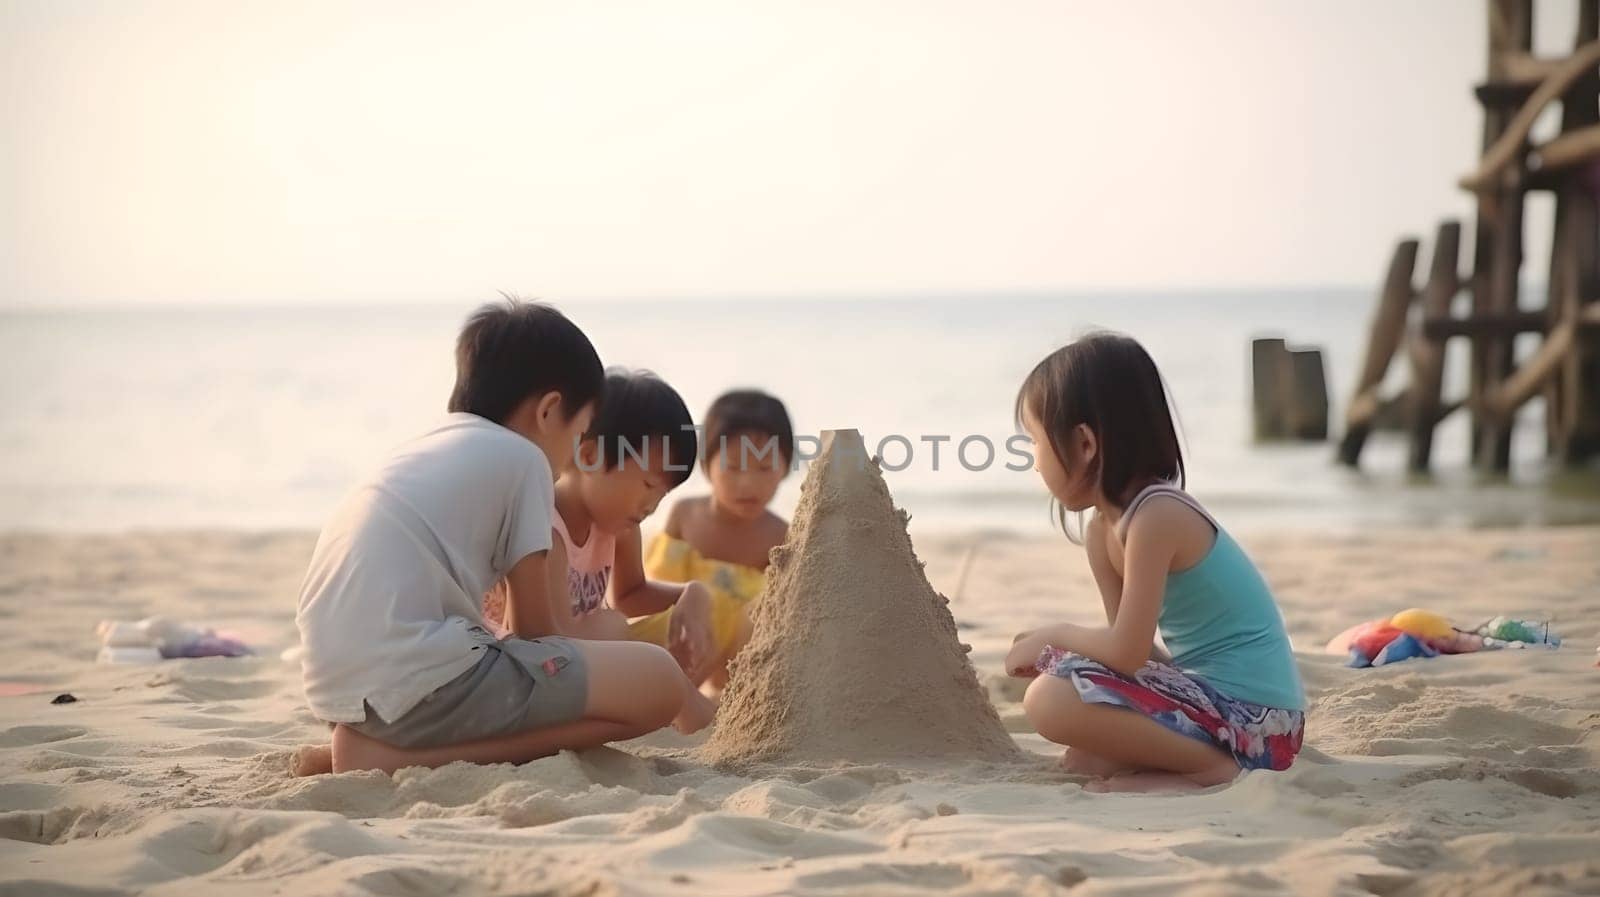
{"points": [[396, 651], [640, 446], [1230, 698], [723, 540]]}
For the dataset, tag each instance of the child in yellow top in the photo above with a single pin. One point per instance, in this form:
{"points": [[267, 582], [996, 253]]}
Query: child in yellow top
{"points": [[722, 540]]}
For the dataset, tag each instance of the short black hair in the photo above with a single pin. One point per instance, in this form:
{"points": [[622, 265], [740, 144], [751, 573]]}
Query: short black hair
{"points": [[747, 411], [640, 410], [514, 350]]}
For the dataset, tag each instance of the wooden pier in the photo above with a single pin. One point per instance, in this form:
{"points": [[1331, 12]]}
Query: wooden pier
{"points": [[1565, 368]]}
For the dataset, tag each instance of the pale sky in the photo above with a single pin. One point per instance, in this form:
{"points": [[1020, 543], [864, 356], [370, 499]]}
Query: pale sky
{"points": [[211, 152]]}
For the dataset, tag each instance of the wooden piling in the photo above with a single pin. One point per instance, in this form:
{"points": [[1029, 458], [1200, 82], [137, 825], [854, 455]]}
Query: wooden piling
{"points": [[1267, 387], [1575, 390], [1384, 336], [1290, 389], [1427, 354], [1497, 256], [1308, 411]]}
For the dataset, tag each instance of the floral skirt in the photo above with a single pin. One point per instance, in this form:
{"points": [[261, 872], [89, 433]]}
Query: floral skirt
{"points": [[1258, 737]]}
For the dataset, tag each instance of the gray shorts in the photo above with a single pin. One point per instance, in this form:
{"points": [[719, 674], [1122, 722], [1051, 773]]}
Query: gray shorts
{"points": [[517, 685]]}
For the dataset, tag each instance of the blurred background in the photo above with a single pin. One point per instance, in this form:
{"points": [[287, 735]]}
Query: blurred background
{"points": [[237, 239]]}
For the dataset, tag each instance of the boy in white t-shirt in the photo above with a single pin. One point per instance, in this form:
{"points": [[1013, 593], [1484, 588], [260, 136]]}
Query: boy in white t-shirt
{"points": [[391, 611]]}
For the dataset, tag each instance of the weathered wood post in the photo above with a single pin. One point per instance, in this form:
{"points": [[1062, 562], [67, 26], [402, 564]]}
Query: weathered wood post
{"points": [[1498, 248], [1427, 353], [1308, 412], [1268, 385], [1388, 326], [1290, 391], [1572, 404]]}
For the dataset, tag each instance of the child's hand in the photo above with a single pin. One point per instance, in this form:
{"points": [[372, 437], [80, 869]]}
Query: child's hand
{"points": [[689, 631], [1024, 653]]}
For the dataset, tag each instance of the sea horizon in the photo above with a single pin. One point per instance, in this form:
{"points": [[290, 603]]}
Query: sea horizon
{"points": [[258, 417]]}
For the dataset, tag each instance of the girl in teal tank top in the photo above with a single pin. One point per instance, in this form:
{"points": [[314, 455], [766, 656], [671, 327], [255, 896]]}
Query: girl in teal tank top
{"points": [[1228, 697]]}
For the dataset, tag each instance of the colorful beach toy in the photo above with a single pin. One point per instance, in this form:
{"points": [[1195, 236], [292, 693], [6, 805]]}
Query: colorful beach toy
{"points": [[1415, 632]]}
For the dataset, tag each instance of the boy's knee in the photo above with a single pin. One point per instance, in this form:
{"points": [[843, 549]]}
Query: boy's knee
{"points": [[634, 683], [659, 662], [661, 679]]}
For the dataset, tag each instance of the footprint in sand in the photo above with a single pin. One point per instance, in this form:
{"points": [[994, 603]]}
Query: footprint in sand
{"points": [[49, 826], [27, 736], [1548, 782], [27, 796], [939, 876], [407, 881]]}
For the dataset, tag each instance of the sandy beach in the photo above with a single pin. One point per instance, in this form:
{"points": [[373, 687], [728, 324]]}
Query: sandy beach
{"points": [[1473, 774], [447, 279]]}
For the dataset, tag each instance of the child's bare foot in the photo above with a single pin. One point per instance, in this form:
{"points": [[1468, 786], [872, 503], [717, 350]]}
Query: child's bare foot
{"points": [[1221, 774], [311, 760], [696, 713], [1080, 762], [1142, 783]]}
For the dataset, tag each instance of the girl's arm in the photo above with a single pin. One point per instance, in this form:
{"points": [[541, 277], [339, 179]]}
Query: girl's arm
{"points": [[601, 624], [1110, 581], [1125, 644], [689, 633], [631, 593]]}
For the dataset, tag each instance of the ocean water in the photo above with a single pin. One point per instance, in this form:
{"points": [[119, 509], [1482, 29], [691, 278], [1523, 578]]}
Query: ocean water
{"points": [[261, 417]]}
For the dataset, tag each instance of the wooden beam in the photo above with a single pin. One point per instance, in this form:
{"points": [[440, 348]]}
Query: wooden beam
{"points": [[1574, 255], [1504, 400], [1580, 379], [1502, 95], [1495, 289], [1501, 402], [1510, 32], [1567, 150], [1426, 352], [1383, 338], [1497, 324], [1526, 68], [1573, 390], [1510, 143], [1545, 181]]}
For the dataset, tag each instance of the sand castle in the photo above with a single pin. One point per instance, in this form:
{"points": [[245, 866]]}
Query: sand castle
{"points": [[855, 657]]}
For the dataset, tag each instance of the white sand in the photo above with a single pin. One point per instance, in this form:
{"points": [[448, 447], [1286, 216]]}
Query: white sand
{"points": [[1473, 775]]}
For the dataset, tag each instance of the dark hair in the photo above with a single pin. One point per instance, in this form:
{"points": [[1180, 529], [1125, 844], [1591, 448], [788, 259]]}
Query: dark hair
{"points": [[1108, 383], [640, 410], [513, 350], [741, 411]]}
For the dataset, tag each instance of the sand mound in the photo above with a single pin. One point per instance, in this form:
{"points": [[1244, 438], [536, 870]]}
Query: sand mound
{"points": [[855, 656]]}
